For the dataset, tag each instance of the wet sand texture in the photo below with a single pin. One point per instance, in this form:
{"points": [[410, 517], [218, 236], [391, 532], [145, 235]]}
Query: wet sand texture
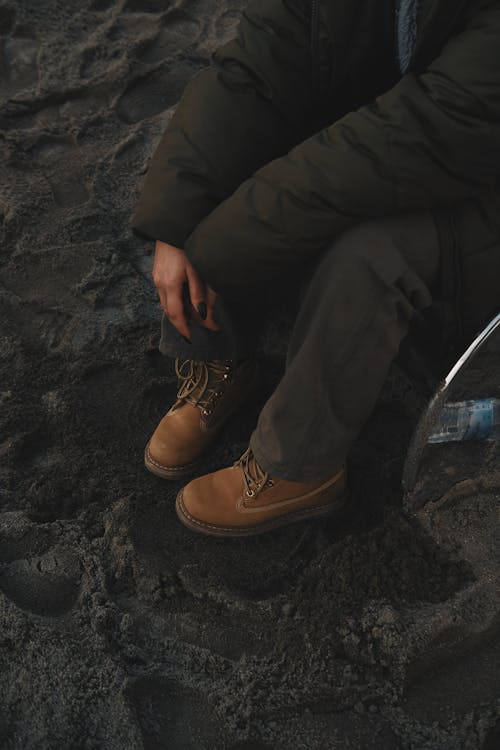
{"points": [[119, 629]]}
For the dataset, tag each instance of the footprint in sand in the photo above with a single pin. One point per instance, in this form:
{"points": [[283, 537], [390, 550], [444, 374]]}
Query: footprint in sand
{"points": [[18, 62], [179, 32], [57, 155], [171, 715], [154, 93], [106, 411], [145, 6], [35, 451], [99, 5], [46, 584], [7, 19]]}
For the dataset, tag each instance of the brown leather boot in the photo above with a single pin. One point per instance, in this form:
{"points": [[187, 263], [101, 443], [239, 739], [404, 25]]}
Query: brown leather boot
{"points": [[243, 500], [209, 392]]}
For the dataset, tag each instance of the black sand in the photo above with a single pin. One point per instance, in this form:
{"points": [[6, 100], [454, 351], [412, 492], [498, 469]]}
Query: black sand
{"points": [[119, 629]]}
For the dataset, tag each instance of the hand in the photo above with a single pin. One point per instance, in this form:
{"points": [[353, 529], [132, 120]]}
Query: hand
{"points": [[171, 271]]}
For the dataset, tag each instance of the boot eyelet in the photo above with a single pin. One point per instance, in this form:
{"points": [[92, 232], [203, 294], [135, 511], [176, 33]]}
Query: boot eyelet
{"points": [[206, 412], [250, 493]]}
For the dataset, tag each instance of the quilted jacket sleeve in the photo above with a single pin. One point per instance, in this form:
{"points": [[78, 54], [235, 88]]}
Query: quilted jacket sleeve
{"points": [[432, 140], [248, 107]]}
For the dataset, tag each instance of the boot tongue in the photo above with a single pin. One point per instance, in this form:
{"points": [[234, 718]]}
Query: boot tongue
{"points": [[193, 380], [199, 379], [254, 476]]}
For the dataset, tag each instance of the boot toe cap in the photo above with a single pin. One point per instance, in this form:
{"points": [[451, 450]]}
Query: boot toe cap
{"points": [[193, 503], [210, 502]]}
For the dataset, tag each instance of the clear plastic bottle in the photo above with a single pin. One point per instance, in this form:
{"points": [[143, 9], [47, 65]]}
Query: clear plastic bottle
{"points": [[468, 420]]}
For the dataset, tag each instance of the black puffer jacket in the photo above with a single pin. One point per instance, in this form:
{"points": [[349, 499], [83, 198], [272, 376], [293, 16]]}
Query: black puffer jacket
{"points": [[303, 126]]}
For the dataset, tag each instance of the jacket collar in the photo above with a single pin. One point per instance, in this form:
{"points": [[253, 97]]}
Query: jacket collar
{"points": [[437, 21]]}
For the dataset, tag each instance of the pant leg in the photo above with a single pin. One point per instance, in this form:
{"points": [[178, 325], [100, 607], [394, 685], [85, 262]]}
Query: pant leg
{"points": [[356, 310], [241, 326], [236, 339]]}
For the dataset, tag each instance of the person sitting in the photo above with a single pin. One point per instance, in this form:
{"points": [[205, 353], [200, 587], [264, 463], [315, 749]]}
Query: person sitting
{"points": [[352, 146]]}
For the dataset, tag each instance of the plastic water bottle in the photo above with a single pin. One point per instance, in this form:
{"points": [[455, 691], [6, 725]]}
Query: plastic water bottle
{"points": [[468, 420]]}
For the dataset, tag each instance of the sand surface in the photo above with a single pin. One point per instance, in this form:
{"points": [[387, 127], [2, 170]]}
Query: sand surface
{"points": [[120, 629]]}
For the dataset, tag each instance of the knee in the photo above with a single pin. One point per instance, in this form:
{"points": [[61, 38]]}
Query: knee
{"points": [[366, 259], [365, 249]]}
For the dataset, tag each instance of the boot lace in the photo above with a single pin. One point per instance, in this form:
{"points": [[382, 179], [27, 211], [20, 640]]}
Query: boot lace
{"points": [[201, 383], [254, 476]]}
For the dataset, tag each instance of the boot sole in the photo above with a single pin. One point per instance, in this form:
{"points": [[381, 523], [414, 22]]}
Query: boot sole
{"points": [[181, 472], [168, 472], [239, 531]]}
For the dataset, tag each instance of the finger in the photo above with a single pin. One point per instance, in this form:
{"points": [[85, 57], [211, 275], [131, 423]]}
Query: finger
{"points": [[162, 296], [211, 300], [207, 323], [175, 311], [159, 284], [197, 291]]}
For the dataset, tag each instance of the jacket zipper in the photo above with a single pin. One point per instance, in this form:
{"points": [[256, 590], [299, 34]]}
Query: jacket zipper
{"points": [[315, 47]]}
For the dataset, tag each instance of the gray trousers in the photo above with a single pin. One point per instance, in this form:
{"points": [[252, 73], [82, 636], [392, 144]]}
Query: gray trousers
{"points": [[356, 306]]}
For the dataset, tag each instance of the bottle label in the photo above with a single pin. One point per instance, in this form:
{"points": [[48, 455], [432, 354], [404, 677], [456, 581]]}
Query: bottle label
{"points": [[480, 420], [465, 420]]}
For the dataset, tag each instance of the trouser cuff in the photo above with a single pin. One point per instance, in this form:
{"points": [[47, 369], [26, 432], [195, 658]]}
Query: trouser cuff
{"points": [[290, 472]]}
